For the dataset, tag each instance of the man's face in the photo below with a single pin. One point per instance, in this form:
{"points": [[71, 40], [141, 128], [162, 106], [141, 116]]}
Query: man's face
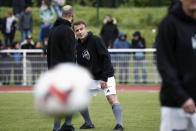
{"points": [[81, 31], [190, 5]]}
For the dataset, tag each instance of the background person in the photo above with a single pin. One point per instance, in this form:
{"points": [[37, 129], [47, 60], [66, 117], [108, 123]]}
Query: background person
{"points": [[57, 5], [46, 11], [109, 31], [138, 42], [122, 58], [9, 28], [26, 23]]}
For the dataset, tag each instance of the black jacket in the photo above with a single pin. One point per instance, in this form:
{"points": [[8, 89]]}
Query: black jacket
{"points": [[176, 57], [61, 43], [93, 55], [13, 26], [138, 44], [109, 33], [26, 21]]}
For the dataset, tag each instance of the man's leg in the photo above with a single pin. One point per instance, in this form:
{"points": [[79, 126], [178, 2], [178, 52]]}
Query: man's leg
{"points": [[67, 126], [110, 93], [57, 125], [88, 123], [116, 108]]}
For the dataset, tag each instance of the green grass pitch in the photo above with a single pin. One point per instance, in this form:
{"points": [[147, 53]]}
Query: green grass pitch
{"points": [[141, 112]]}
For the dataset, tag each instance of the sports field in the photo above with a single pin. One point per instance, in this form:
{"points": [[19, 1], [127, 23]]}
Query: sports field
{"points": [[141, 112]]}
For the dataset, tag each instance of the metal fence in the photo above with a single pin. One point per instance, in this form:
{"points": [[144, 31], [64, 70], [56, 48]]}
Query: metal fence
{"points": [[23, 67]]}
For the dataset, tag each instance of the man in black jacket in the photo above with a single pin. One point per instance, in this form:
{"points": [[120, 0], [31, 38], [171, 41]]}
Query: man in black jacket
{"points": [[93, 55], [61, 48], [61, 43], [176, 60]]}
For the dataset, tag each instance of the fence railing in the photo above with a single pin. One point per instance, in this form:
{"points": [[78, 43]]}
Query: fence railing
{"points": [[132, 66]]}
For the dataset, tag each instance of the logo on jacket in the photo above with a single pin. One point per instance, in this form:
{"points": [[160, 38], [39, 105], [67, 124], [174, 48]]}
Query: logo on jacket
{"points": [[194, 42], [86, 54]]}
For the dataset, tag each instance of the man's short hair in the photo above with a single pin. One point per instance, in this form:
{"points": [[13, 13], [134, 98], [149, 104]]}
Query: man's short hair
{"points": [[67, 11], [79, 22]]}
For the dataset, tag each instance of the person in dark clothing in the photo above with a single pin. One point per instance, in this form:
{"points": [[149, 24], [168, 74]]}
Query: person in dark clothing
{"points": [[27, 44], [176, 61], [9, 28], [138, 42], [61, 44], [61, 48], [26, 23], [93, 55], [109, 32], [173, 2], [18, 7]]}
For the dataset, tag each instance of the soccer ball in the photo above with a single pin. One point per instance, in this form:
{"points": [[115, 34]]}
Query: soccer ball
{"points": [[63, 90]]}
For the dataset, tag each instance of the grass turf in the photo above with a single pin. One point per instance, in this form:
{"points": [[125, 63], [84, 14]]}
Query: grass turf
{"points": [[141, 112]]}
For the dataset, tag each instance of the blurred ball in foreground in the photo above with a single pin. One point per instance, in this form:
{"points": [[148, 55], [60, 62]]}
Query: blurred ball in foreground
{"points": [[63, 90]]}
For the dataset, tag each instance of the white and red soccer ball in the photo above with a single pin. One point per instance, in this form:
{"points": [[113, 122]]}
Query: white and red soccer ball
{"points": [[63, 90]]}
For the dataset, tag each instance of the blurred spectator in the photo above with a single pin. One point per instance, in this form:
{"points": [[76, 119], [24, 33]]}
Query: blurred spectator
{"points": [[139, 57], [18, 7], [122, 58], [9, 28], [18, 66], [109, 31], [36, 62], [46, 11], [57, 5], [7, 63], [26, 23], [45, 30], [28, 43]]}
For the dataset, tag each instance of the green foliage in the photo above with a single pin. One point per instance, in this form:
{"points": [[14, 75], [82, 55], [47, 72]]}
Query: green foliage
{"points": [[103, 3], [143, 3], [141, 112]]}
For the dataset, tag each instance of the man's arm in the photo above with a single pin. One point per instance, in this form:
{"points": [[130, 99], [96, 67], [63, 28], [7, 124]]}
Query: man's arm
{"points": [[103, 53]]}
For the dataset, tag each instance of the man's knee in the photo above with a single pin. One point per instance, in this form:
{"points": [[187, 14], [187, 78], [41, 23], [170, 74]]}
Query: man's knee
{"points": [[112, 99]]}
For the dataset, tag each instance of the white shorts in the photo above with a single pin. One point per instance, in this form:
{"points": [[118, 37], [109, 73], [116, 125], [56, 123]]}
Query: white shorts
{"points": [[176, 119], [111, 87]]}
